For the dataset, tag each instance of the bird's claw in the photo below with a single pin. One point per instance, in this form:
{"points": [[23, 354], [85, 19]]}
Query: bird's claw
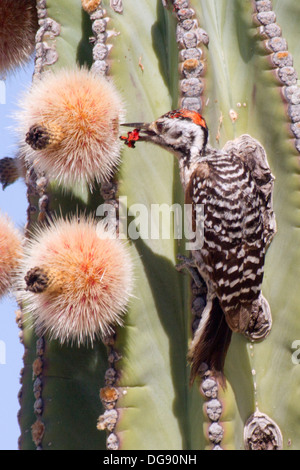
{"points": [[190, 265]]}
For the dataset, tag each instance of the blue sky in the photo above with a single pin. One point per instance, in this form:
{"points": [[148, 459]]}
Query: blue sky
{"points": [[12, 202]]}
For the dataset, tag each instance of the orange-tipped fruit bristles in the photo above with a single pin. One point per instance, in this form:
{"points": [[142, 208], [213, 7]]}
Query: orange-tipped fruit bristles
{"points": [[70, 132], [10, 253], [75, 280]]}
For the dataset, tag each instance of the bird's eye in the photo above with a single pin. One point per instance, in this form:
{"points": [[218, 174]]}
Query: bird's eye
{"points": [[160, 127], [177, 134]]}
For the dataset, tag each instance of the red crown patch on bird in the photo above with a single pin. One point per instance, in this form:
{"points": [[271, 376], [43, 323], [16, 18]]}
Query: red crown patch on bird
{"points": [[188, 114]]}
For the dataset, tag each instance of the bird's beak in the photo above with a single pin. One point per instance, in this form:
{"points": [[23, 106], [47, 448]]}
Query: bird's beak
{"points": [[141, 131], [136, 125]]}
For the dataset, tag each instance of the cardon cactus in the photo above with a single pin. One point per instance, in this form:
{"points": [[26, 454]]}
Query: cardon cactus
{"points": [[106, 330]]}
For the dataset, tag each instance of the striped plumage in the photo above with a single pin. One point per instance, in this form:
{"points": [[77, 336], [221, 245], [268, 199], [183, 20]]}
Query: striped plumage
{"points": [[231, 260], [234, 188], [234, 247]]}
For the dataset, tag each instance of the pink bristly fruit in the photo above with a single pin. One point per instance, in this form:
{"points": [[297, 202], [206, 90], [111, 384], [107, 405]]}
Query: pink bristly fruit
{"points": [[69, 125], [10, 253], [75, 280]]}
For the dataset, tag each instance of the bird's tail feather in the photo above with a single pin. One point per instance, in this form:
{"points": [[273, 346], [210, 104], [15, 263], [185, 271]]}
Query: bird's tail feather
{"points": [[210, 342]]}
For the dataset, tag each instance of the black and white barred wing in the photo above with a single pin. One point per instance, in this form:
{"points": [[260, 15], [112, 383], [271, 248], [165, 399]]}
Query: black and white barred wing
{"points": [[231, 260], [252, 153]]}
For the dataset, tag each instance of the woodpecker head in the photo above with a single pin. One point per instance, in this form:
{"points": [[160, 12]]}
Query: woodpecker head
{"points": [[182, 132]]}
